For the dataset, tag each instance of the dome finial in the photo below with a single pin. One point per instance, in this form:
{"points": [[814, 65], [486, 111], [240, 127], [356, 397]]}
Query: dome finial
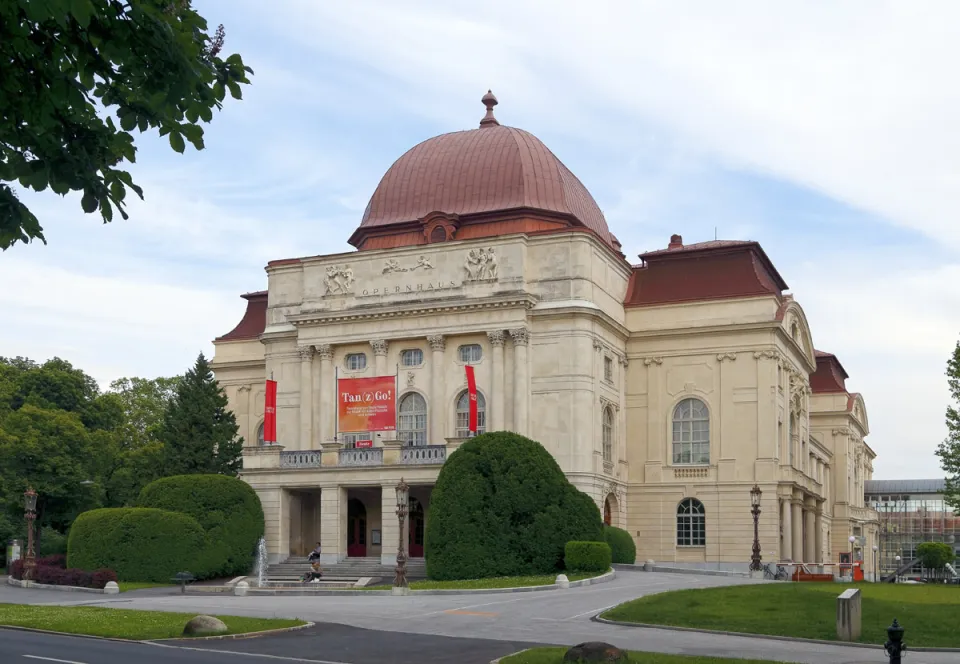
{"points": [[489, 100]]}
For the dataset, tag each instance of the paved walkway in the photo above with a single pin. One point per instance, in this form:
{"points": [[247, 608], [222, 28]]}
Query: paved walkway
{"points": [[559, 617]]}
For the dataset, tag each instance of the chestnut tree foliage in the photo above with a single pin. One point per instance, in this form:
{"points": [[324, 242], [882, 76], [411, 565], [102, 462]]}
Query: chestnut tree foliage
{"points": [[77, 77]]}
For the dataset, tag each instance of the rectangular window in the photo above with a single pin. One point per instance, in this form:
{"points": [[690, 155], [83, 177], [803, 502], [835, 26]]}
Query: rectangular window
{"points": [[350, 440], [412, 357], [356, 361], [608, 369]]}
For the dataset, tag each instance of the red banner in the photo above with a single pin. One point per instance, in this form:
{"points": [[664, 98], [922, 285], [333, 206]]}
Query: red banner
{"points": [[364, 443], [367, 404], [270, 413], [472, 395]]}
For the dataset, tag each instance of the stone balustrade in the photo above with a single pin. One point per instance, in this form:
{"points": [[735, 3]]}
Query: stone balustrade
{"points": [[333, 456]]}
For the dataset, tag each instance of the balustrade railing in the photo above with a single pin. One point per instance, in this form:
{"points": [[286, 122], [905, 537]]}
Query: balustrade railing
{"points": [[425, 454], [300, 459], [363, 456]]}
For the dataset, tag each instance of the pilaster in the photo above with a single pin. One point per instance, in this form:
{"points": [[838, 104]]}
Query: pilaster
{"points": [[328, 391], [306, 396], [496, 408], [437, 405], [521, 385]]}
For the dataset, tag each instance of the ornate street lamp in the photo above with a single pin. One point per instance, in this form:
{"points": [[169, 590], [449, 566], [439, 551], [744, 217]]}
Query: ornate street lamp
{"points": [[30, 512], [755, 493], [400, 580], [876, 570]]}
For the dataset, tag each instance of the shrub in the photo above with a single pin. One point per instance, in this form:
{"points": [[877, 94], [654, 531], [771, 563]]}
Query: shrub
{"points": [[139, 544], [59, 560], [587, 556], [622, 547], [16, 569], [502, 507], [102, 576], [51, 543], [228, 510]]}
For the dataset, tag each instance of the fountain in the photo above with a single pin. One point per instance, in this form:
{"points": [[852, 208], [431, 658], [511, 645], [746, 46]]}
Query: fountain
{"points": [[260, 567]]}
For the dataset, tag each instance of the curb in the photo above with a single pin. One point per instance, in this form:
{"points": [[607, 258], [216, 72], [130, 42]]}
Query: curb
{"points": [[18, 583], [519, 652], [681, 570], [158, 642], [296, 592], [772, 637]]}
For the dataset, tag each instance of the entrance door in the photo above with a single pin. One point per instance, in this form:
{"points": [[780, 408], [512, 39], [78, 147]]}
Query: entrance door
{"points": [[415, 543], [606, 512], [356, 529]]}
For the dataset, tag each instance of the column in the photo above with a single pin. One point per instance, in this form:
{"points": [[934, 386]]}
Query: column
{"points": [[797, 519], [438, 401], [809, 542], [786, 548], [379, 356], [328, 390], [496, 419], [818, 529], [521, 388], [306, 396], [333, 524], [389, 525]]}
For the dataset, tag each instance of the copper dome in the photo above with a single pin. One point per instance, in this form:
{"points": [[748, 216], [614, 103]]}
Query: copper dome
{"points": [[481, 171]]}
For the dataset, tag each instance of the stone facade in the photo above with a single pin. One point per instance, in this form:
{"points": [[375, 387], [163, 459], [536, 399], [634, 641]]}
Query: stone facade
{"points": [[664, 398]]}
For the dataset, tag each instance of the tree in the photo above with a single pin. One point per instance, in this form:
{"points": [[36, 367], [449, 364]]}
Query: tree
{"points": [[144, 401], [949, 449], [503, 507], [935, 555], [78, 76], [199, 432]]}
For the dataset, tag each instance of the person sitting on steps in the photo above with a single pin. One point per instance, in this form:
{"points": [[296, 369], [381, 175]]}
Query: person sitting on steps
{"points": [[315, 554]]}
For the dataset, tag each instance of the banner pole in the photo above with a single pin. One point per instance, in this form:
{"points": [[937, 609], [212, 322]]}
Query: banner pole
{"points": [[336, 404], [396, 401]]}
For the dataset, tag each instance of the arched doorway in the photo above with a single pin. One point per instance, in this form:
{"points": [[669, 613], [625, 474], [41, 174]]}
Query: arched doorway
{"points": [[606, 512], [611, 510], [356, 529], [415, 543]]}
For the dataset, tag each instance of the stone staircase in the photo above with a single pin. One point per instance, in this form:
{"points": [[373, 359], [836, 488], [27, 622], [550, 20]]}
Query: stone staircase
{"points": [[347, 570]]}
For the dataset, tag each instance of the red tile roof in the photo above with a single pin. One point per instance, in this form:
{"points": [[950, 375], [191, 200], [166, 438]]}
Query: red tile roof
{"points": [[703, 271], [254, 320], [830, 375], [490, 169]]}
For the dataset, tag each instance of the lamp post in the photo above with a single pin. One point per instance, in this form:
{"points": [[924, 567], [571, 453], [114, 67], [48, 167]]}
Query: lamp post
{"points": [[30, 512], [897, 571], [755, 558], [876, 569], [400, 580]]}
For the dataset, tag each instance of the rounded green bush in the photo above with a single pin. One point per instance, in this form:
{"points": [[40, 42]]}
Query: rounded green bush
{"points": [[138, 544], [228, 510], [502, 507], [587, 556], [622, 546]]}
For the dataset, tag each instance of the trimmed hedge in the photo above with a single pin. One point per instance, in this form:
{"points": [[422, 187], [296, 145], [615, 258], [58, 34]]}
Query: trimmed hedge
{"points": [[227, 509], [587, 556], [139, 544], [502, 507], [622, 547]]}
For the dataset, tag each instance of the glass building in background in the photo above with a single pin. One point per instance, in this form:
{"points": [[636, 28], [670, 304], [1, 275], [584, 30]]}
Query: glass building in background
{"points": [[911, 512]]}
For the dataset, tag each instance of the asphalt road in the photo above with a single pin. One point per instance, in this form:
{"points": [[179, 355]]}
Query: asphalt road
{"points": [[323, 644]]}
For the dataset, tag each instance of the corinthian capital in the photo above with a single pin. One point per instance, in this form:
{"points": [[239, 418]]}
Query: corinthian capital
{"points": [[496, 337], [520, 336], [325, 351], [305, 352], [437, 342], [379, 347]]}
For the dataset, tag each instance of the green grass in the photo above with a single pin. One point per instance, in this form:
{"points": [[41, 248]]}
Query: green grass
{"points": [[486, 584], [805, 610], [122, 623], [555, 656], [126, 586]]}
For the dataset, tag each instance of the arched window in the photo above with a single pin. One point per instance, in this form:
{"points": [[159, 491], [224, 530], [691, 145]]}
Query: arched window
{"points": [[791, 433], [691, 523], [413, 419], [691, 432], [608, 435], [463, 414], [260, 434]]}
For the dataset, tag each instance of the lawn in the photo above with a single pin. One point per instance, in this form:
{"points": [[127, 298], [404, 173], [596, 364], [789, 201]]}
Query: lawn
{"points": [[485, 584], [806, 610], [555, 656], [122, 623]]}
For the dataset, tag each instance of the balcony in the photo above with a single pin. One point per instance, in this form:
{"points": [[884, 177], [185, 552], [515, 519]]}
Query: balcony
{"points": [[333, 456]]}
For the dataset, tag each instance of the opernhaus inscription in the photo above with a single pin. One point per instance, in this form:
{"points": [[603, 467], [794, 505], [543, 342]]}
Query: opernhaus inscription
{"points": [[428, 287]]}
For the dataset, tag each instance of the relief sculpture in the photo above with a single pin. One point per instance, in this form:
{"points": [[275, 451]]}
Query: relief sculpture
{"points": [[393, 265], [339, 279], [481, 265]]}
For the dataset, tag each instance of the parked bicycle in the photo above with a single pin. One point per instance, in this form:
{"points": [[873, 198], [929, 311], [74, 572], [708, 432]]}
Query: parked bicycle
{"points": [[776, 574]]}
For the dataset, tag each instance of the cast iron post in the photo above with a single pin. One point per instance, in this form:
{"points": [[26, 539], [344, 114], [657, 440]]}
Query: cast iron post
{"points": [[30, 512], [755, 559], [895, 646], [400, 580]]}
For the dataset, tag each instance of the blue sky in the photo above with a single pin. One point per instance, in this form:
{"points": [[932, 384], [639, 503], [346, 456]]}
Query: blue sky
{"points": [[825, 131]]}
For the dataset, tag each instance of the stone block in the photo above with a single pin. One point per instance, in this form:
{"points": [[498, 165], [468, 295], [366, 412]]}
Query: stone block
{"points": [[595, 651], [240, 590], [204, 626], [111, 588], [848, 615], [563, 581]]}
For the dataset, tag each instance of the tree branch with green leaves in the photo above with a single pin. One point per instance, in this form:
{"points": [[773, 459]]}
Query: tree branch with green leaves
{"points": [[77, 77], [949, 449]]}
